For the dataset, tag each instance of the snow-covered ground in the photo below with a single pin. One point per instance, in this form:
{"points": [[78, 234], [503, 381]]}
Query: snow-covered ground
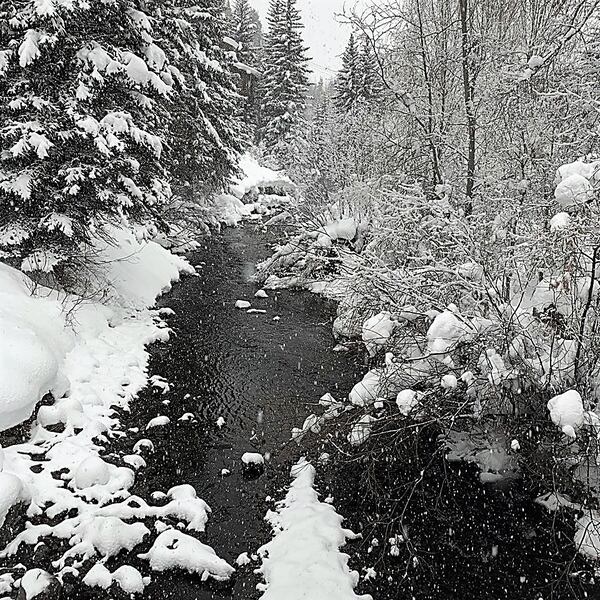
{"points": [[89, 353]]}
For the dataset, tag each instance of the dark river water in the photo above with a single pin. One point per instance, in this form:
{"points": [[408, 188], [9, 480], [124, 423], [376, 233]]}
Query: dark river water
{"points": [[261, 375]]}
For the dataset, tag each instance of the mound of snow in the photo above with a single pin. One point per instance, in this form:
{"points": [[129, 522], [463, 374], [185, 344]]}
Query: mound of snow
{"points": [[242, 304], [361, 430], [560, 221], [365, 392], [175, 550], [407, 401], [137, 271], [256, 177], [449, 328], [36, 582], [303, 559], [566, 412], [12, 491], [573, 191], [253, 458], [92, 471], [33, 348], [591, 171], [376, 331], [231, 210]]}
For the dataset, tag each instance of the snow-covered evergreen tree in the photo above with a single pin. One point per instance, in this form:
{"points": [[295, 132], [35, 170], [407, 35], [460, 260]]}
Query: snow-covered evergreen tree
{"points": [[358, 78], [285, 81], [204, 127], [99, 101], [370, 84], [349, 80], [79, 86], [247, 32]]}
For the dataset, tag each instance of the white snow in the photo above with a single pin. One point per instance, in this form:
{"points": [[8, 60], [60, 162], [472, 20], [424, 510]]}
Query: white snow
{"points": [[376, 331], [12, 491], [159, 421], [449, 382], [99, 356], [35, 582], [127, 577], [253, 458], [407, 401], [242, 304], [566, 412], [176, 550], [361, 430], [449, 328], [243, 559], [35, 341], [91, 471], [587, 535], [574, 190], [303, 559], [261, 294], [256, 176], [220, 422], [365, 392], [560, 221]]}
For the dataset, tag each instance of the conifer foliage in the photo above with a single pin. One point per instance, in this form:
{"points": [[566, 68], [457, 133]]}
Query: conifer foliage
{"points": [[89, 93], [285, 76], [247, 32], [357, 80]]}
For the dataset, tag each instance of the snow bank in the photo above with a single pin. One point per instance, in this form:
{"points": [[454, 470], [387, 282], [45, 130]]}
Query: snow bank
{"points": [[303, 559], [34, 344], [100, 352], [255, 177]]}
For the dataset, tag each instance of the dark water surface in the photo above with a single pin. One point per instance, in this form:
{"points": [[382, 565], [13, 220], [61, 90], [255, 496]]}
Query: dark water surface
{"points": [[259, 374]]}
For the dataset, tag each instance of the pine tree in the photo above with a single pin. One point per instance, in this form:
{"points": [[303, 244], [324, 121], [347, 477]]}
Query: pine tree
{"points": [[285, 80], [247, 32], [358, 79], [370, 84], [349, 80], [204, 127], [96, 113], [79, 86]]}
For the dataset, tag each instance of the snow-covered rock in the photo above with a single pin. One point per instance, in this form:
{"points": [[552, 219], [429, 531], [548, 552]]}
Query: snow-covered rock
{"points": [[407, 401], [376, 331], [449, 328], [253, 459], [449, 382], [91, 471], [242, 304], [560, 221], [175, 550], [365, 392], [566, 412], [12, 491], [361, 430], [36, 582]]}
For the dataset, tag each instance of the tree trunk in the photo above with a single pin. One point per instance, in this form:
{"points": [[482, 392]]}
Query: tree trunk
{"points": [[469, 97]]}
